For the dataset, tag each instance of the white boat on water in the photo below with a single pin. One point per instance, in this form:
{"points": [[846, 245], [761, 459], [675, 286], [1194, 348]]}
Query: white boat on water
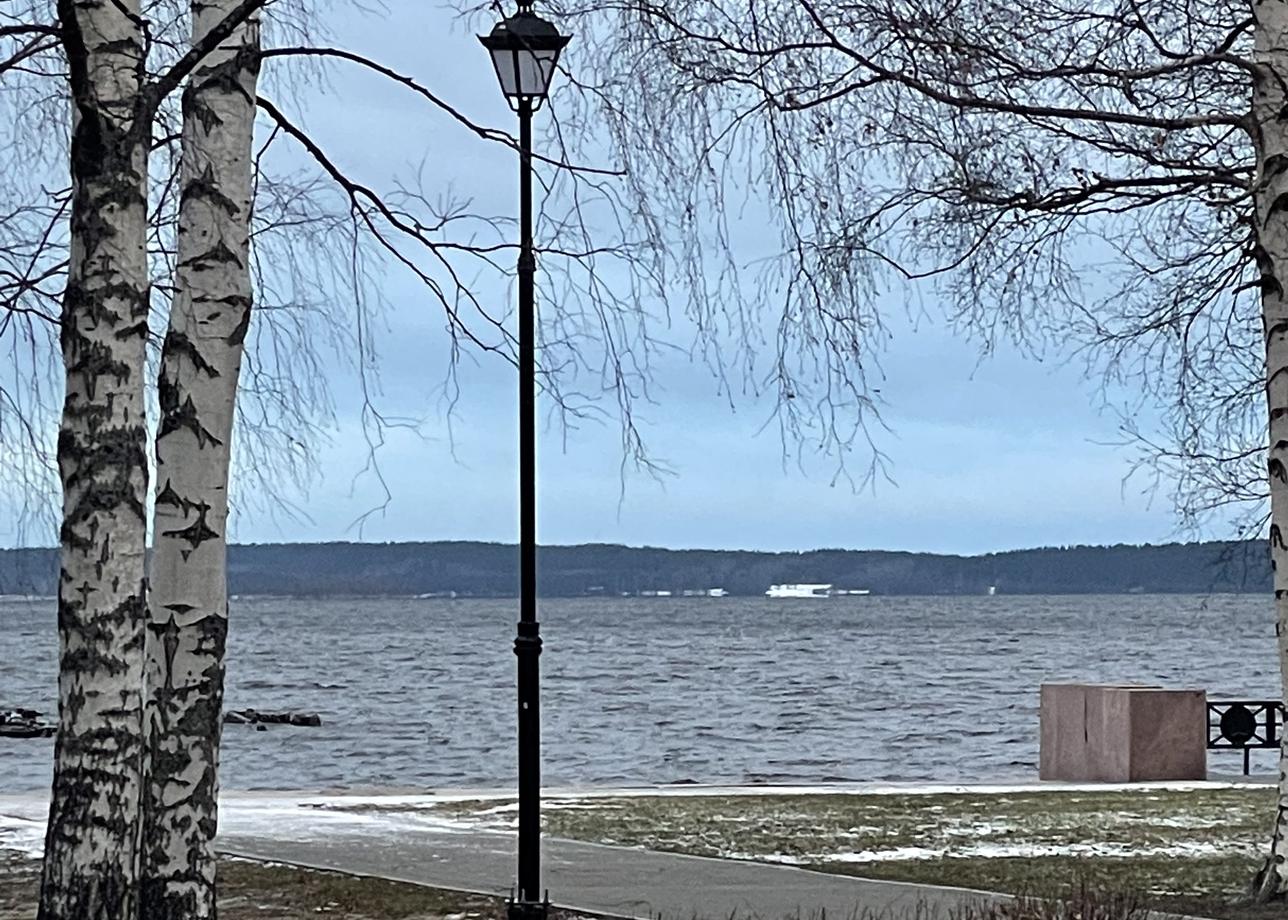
{"points": [[799, 591]]}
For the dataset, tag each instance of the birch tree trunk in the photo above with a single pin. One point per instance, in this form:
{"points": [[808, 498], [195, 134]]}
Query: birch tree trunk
{"points": [[1270, 134], [91, 845], [197, 385]]}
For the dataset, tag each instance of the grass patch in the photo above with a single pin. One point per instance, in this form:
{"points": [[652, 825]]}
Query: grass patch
{"points": [[817, 829], [1204, 888], [1183, 851], [251, 889]]}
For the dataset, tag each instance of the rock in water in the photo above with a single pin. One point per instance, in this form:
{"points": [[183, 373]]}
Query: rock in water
{"points": [[24, 723], [10, 730], [260, 719]]}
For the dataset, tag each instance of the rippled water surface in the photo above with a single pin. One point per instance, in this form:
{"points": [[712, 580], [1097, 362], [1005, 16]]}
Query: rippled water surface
{"points": [[419, 692]]}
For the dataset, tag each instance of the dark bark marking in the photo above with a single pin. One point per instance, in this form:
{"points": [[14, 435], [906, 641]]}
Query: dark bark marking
{"points": [[138, 329], [208, 188], [183, 416], [1280, 203], [219, 253], [198, 531], [193, 107], [169, 496], [238, 335], [177, 344], [1265, 264], [109, 466], [104, 555], [167, 634], [95, 361]]}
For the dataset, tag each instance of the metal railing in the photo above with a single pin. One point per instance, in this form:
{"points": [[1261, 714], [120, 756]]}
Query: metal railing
{"points": [[1244, 725]]}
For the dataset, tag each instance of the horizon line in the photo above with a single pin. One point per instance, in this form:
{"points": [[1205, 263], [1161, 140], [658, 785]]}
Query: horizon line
{"points": [[707, 549]]}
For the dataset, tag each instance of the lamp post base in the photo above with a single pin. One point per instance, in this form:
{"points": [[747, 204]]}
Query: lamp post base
{"points": [[527, 910]]}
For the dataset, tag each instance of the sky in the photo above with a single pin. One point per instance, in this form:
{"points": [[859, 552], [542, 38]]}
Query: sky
{"points": [[983, 454], [1013, 456]]}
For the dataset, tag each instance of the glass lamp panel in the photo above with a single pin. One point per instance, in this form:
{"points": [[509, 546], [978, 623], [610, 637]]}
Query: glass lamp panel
{"points": [[545, 61], [507, 67], [532, 79]]}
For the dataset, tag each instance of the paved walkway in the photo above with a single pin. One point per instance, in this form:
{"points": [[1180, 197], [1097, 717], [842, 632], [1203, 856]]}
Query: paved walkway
{"points": [[608, 880]]}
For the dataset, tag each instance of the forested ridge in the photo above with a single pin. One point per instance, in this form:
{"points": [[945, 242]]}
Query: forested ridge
{"points": [[489, 570]]}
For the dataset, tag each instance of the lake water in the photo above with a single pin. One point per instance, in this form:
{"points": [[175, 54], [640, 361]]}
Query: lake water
{"points": [[419, 693]]}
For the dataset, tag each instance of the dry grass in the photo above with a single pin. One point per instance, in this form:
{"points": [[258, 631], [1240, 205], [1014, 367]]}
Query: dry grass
{"points": [[1082, 901], [257, 891]]}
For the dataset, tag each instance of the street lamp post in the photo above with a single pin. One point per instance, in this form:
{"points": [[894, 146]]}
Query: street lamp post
{"points": [[525, 49]]}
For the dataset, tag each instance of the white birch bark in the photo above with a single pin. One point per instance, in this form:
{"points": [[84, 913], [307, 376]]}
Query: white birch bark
{"points": [[197, 385], [91, 845], [1271, 229]]}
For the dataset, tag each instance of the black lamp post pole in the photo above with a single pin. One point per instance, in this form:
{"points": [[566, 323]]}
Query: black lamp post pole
{"points": [[525, 49], [527, 644]]}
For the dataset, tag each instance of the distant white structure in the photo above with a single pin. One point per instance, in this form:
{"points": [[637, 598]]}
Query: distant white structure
{"points": [[717, 592], [783, 591], [992, 590], [851, 592]]}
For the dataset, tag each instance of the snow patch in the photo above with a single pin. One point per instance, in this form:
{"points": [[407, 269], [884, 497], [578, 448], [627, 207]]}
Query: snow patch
{"points": [[893, 854], [1189, 849], [691, 790], [292, 819]]}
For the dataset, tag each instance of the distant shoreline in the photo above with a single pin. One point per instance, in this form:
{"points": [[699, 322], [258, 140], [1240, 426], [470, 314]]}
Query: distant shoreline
{"points": [[715, 602], [489, 570], [741, 598]]}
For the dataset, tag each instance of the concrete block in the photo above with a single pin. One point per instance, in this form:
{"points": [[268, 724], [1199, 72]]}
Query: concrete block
{"points": [[1168, 734], [1062, 719], [1121, 733]]}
